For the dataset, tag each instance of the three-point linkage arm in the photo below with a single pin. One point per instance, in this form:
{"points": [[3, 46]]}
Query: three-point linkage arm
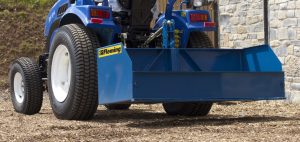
{"points": [[169, 9], [170, 6], [105, 3]]}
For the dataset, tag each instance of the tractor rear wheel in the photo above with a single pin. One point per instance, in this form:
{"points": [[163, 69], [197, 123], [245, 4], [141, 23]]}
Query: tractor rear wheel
{"points": [[199, 40], [26, 86], [196, 40], [118, 106], [72, 73]]}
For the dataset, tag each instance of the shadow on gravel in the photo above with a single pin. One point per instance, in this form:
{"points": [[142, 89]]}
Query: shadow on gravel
{"points": [[150, 120], [127, 115], [212, 120]]}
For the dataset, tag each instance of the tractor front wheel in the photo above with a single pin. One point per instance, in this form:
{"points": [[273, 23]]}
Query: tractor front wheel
{"points": [[72, 73], [26, 86]]}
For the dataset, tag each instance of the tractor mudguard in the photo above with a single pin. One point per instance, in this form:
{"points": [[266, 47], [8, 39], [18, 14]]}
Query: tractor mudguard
{"points": [[53, 18], [184, 24], [63, 7], [106, 30], [64, 13]]}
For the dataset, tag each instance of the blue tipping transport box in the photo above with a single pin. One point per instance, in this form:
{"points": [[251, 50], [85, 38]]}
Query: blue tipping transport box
{"points": [[156, 75]]}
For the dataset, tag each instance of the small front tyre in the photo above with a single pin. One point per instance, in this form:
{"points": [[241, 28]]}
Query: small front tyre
{"points": [[26, 86]]}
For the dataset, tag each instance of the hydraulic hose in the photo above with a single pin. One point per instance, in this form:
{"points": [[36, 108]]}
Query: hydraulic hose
{"points": [[153, 36]]}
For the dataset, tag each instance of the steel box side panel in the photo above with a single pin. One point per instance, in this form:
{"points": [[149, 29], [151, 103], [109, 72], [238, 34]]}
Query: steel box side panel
{"points": [[207, 86], [114, 78], [261, 59]]}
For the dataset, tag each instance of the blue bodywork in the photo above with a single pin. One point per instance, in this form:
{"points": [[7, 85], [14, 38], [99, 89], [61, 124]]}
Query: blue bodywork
{"points": [[156, 75], [79, 12], [183, 24]]}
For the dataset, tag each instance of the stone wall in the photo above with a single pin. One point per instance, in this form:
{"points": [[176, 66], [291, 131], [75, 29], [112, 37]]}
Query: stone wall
{"points": [[241, 25]]}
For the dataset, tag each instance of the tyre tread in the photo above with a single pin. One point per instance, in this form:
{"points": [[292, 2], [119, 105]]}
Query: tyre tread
{"points": [[86, 96], [34, 86]]}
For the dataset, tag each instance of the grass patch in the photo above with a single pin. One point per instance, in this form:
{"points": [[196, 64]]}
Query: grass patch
{"points": [[22, 25], [38, 6]]}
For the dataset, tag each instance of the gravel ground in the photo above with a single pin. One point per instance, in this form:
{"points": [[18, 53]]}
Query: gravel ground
{"points": [[250, 121]]}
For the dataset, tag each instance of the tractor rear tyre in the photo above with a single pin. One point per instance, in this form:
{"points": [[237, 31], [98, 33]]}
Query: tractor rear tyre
{"points": [[72, 73], [118, 106], [199, 40], [196, 40], [26, 86]]}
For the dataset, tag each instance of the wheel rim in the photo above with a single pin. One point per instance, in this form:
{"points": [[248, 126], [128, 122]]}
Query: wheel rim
{"points": [[61, 73], [19, 87]]}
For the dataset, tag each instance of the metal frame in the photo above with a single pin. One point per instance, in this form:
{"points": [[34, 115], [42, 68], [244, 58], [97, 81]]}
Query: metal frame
{"points": [[266, 21]]}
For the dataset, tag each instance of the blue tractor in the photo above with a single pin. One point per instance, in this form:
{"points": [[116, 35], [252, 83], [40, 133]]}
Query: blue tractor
{"points": [[106, 52]]}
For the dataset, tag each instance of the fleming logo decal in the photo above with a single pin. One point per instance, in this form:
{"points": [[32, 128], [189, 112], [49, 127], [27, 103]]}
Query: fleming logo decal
{"points": [[104, 52]]}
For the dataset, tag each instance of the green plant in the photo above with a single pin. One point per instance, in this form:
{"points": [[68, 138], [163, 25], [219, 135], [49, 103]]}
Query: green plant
{"points": [[28, 3]]}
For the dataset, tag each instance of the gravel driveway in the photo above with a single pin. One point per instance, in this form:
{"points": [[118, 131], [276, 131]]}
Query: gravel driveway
{"points": [[250, 121]]}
